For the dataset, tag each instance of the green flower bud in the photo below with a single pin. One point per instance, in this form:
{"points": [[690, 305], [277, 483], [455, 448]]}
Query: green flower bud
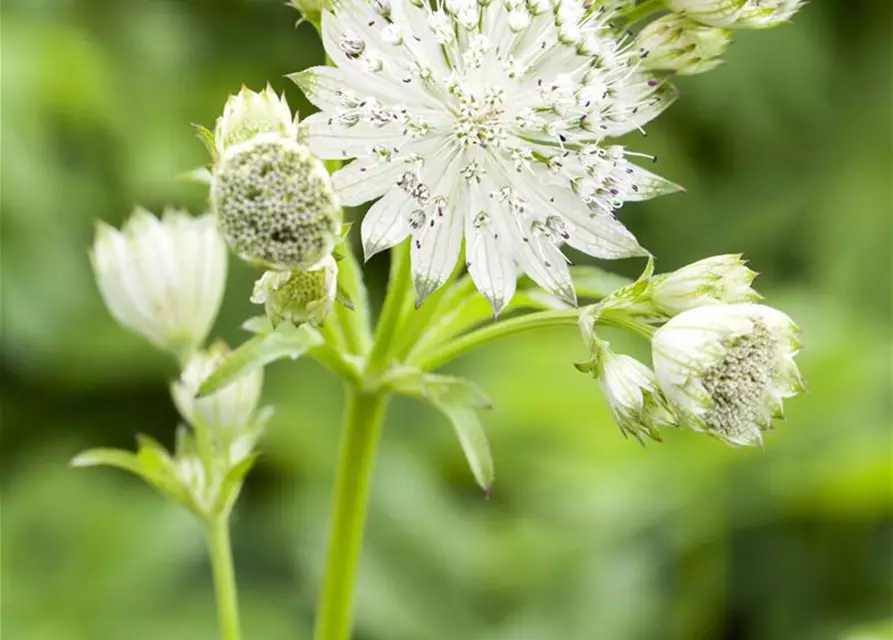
{"points": [[275, 204], [716, 13], [721, 279], [298, 296], [673, 43], [249, 113], [311, 10], [763, 14]]}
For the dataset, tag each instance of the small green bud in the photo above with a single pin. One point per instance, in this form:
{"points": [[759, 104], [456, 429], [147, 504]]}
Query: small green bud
{"points": [[721, 279], [673, 43], [275, 203], [298, 296], [737, 14], [311, 10], [764, 14], [248, 113]]}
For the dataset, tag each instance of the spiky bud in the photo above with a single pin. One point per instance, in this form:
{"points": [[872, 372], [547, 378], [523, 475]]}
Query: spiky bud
{"points": [[674, 43], [737, 14], [249, 113], [275, 204], [298, 296], [721, 279], [227, 412], [162, 279], [727, 368]]}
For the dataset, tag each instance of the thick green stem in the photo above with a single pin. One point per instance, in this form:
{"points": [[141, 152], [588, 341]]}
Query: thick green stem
{"points": [[363, 419], [224, 577], [389, 321], [460, 346]]}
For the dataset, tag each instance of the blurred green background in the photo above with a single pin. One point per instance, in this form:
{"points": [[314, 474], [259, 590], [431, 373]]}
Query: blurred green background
{"points": [[786, 154]]}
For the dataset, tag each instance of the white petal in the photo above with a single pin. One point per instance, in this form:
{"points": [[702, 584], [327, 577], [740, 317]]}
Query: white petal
{"points": [[366, 178], [653, 103], [648, 185], [489, 261], [334, 142], [385, 224]]}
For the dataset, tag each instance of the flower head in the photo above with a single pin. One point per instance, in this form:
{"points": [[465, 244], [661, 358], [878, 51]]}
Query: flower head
{"points": [[484, 121], [631, 390], [743, 14], [227, 412], [249, 113], [674, 43], [727, 368], [298, 296], [162, 279], [274, 203], [721, 279]]}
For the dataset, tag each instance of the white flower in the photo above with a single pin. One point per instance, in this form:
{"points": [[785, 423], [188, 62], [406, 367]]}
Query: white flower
{"points": [[298, 296], [633, 395], [717, 280], [162, 279], [249, 113], [274, 203], [227, 412], [673, 43], [485, 121], [743, 14], [727, 368]]}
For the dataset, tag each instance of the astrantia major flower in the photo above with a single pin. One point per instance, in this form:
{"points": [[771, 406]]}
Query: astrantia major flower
{"points": [[298, 296], [485, 121], [723, 279], [674, 43], [743, 14], [727, 368], [273, 198], [163, 279]]}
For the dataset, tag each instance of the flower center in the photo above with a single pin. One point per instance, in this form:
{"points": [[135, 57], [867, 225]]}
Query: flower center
{"points": [[740, 383], [478, 118]]}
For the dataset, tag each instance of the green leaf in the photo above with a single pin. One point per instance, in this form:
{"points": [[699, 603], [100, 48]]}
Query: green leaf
{"points": [[458, 399], [232, 484], [259, 351], [207, 138], [596, 283], [258, 324], [119, 458]]}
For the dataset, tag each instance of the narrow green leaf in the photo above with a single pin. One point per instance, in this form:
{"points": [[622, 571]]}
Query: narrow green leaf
{"points": [[473, 440], [258, 324], [259, 351], [119, 458]]}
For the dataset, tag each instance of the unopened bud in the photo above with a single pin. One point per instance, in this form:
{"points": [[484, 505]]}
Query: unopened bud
{"points": [[249, 113], [673, 43], [298, 296]]}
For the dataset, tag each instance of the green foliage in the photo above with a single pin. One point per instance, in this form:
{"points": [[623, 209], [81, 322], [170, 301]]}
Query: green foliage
{"points": [[784, 152]]}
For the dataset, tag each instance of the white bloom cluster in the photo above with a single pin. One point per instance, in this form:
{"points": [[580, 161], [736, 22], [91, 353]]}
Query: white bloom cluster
{"points": [[488, 121], [163, 279], [273, 198], [727, 368]]}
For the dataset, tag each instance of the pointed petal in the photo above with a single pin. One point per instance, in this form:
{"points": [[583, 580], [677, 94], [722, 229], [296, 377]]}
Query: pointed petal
{"points": [[489, 261], [331, 141], [385, 224], [367, 178]]}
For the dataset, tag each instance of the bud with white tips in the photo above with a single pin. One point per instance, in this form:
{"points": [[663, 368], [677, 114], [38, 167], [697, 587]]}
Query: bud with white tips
{"points": [[727, 368], [162, 279], [226, 413], [249, 113], [674, 43], [764, 14], [737, 14], [275, 204], [721, 279], [298, 296]]}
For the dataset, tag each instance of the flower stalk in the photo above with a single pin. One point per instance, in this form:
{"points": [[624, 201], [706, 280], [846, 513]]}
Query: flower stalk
{"points": [[221, 555]]}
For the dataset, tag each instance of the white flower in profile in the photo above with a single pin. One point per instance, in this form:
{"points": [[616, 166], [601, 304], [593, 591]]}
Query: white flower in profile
{"points": [[485, 121], [721, 279], [737, 14], [727, 368], [162, 279], [227, 412], [630, 388]]}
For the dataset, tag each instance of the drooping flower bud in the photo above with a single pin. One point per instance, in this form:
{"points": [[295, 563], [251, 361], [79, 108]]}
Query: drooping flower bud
{"points": [[275, 204], [673, 43], [249, 113], [227, 412], [737, 14], [298, 296], [727, 368], [631, 390], [721, 279], [162, 279], [764, 14], [716, 13]]}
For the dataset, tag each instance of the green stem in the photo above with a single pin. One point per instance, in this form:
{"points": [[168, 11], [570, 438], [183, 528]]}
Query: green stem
{"points": [[224, 577], [354, 322], [363, 419], [460, 346], [642, 11], [389, 321]]}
